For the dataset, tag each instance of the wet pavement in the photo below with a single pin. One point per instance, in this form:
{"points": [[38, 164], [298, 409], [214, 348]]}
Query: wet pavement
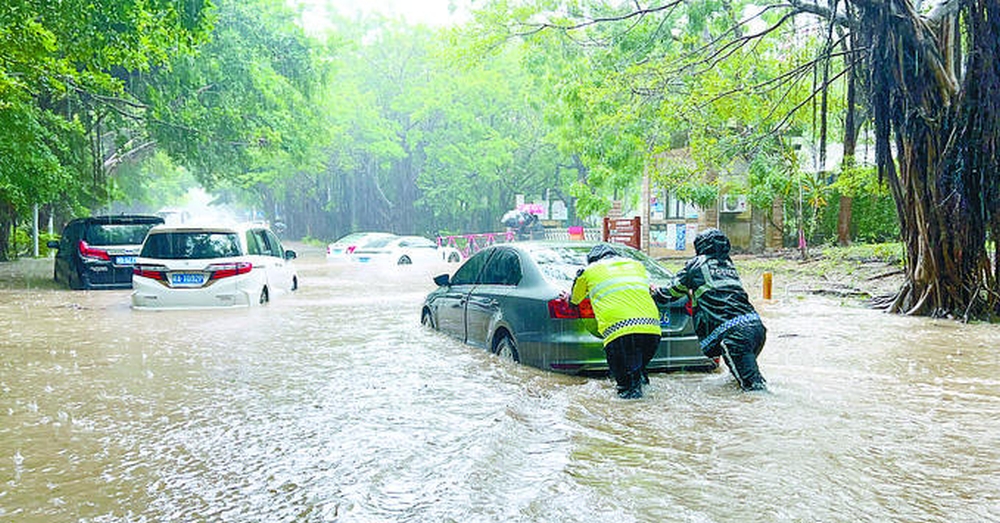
{"points": [[334, 405]]}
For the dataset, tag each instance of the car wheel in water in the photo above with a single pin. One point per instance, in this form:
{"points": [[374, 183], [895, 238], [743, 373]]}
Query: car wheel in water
{"points": [[75, 281], [426, 320], [405, 260], [506, 349], [264, 298]]}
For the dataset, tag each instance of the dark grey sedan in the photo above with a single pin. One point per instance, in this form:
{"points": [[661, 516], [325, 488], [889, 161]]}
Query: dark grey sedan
{"points": [[506, 299]]}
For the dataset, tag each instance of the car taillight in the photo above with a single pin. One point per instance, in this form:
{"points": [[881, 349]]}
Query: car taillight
{"points": [[564, 310], [225, 270], [154, 272], [87, 251], [586, 310], [350, 249]]}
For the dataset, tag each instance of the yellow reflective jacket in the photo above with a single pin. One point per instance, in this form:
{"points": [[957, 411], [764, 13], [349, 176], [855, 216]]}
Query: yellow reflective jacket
{"points": [[619, 293]]}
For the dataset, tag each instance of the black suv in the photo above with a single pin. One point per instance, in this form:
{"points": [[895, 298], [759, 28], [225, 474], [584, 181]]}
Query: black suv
{"points": [[99, 252]]}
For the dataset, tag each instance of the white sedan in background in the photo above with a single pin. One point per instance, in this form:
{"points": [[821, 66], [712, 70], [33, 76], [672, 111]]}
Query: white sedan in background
{"points": [[198, 267], [405, 250], [341, 249]]}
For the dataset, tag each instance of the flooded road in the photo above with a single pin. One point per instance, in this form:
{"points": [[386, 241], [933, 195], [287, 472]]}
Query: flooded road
{"points": [[335, 405]]}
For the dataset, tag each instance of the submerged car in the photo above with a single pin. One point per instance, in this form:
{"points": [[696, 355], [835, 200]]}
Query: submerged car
{"points": [[405, 250], [505, 299], [341, 249], [98, 252], [198, 267]]}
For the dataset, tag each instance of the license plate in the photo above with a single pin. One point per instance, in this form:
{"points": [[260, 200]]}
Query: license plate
{"points": [[187, 278], [125, 260]]}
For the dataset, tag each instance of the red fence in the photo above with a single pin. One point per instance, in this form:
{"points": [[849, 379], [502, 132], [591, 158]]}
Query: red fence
{"points": [[623, 230]]}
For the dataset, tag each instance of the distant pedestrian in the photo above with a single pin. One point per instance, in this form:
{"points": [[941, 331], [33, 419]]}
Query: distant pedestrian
{"points": [[726, 323], [627, 317]]}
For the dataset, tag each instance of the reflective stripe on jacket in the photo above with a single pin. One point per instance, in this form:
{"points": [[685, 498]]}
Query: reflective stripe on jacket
{"points": [[619, 294]]}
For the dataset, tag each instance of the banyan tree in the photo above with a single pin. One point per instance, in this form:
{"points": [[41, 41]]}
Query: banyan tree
{"points": [[936, 104], [932, 72]]}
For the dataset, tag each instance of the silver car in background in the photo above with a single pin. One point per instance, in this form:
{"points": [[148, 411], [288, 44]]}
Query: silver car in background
{"points": [[505, 299]]}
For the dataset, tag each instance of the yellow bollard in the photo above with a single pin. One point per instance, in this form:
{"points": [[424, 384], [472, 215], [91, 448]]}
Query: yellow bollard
{"points": [[767, 286]]}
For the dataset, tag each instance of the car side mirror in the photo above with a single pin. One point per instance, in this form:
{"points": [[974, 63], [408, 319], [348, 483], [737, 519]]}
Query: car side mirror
{"points": [[290, 255], [442, 280], [52, 244]]}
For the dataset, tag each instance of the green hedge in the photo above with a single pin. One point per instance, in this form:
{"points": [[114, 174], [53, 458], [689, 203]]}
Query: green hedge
{"points": [[873, 220]]}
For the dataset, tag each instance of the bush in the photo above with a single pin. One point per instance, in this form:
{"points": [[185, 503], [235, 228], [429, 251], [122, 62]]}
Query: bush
{"points": [[22, 243], [873, 220]]}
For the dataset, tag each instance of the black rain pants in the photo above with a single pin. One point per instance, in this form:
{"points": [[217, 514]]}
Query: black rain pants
{"points": [[740, 347], [627, 359]]}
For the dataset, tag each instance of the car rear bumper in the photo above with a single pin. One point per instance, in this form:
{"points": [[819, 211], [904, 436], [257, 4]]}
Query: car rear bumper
{"points": [[582, 353], [105, 276], [151, 294]]}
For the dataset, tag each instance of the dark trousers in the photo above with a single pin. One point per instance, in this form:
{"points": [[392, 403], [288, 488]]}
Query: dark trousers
{"points": [[627, 360], [740, 348]]}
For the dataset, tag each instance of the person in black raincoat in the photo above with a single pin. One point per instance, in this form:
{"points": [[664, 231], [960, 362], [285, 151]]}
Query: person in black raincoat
{"points": [[726, 323]]}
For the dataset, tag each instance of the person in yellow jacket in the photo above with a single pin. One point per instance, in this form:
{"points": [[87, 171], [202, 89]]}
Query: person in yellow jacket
{"points": [[627, 317]]}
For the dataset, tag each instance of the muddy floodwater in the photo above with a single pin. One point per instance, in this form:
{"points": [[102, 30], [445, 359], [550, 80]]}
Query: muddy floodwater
{"points": [[334, 405]]}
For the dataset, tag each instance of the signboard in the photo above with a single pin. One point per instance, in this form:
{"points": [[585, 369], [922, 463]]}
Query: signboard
{"points": [[559, 211], [672, 236]]}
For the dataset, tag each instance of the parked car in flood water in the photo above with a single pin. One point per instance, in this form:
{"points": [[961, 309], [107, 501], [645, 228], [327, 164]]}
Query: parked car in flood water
{"points": [[342, 249], [405, 250], [196, 267], [98, 252], [505, 299]]}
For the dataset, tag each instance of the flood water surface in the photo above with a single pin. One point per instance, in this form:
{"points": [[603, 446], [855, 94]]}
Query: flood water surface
{"points": [[334, 405]]}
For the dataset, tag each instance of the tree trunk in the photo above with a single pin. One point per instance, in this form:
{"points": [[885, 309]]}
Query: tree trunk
{"points": [[945, 141], [7, 216], [850, 146]]}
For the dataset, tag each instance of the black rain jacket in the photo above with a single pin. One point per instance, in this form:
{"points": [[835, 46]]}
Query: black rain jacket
{"points": [[718, 294]]}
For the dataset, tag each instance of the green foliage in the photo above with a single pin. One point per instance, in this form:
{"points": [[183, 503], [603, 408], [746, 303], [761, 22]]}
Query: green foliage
{"points": [[857, 180], [873, 220], [63, 73], [155, 182], [22, 243]]}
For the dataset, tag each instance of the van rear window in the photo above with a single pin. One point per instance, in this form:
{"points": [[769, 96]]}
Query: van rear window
{"points": [[191, 245], [117, 234]]}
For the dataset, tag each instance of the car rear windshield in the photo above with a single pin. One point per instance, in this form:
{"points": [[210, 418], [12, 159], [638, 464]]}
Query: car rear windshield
{"points": [[378, 243], [561, 264], [117, 234], [191, 245]]}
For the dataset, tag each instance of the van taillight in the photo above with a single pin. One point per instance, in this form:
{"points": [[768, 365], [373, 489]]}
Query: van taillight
{"points": [[153, 272], [87, 251], [563, 309], [225, 270]]}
